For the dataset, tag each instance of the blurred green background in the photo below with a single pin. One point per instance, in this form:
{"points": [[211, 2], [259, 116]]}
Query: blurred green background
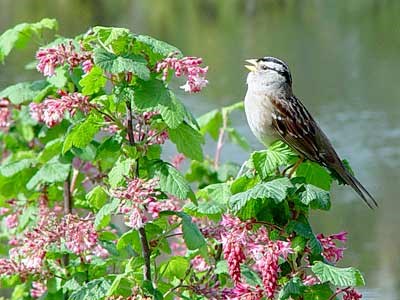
{"points": [[344, 57]]}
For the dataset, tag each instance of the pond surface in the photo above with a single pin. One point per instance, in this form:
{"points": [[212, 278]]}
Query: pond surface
{"points": [[344, 57]]}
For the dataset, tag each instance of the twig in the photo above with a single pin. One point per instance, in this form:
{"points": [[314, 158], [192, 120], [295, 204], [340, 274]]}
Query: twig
{"points": [[142, 231], [338, 292], [67, 210], [221, 138]]}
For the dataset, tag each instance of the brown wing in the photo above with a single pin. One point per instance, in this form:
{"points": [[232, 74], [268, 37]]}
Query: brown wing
{"points": [[298, 129]]}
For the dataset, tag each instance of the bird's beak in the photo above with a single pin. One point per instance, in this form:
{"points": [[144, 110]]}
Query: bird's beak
{"points": [[252, 67]]}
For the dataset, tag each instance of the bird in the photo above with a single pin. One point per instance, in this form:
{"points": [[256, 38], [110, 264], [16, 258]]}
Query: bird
{"points": [[275, 113]]}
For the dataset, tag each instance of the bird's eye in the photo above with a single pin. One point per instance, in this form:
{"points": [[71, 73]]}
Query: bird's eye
{"points": [[264, 67]]}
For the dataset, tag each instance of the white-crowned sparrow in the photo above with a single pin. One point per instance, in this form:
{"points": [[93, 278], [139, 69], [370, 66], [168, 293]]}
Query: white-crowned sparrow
{"points": [[274, 112]]}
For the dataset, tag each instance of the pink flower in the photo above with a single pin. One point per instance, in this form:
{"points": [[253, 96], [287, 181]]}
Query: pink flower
{"points": [[87, 66], [5, 114], [199, 264], [331, 252], [137, 196], [51, 111], [243, 291], [234, 255], [177, 160], [4, 210], [79, 234], [187, 66], [38, 289], [53, 57], [351, 294], [143, 131], [310, 280], [11, 221]]}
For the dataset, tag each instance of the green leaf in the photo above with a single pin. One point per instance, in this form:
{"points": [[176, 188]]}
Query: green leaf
{"points": [[157, 46], [175, 267], [82, 133], [11, 168], [210, 123], [103, 217], [21, 34], [318, 198], [154, 95], [24, 91], [275, 190], [304, 229], [97, 197], [251, 276], [51, 149], [342, 277], [60, 79], [52, 171], [149, 94], [294, 287], [93, 290], [117, 64], [173, 112], [318, 292], [314, 174], [121, 286], [188, 141], [267, 161], [129, 238], [93, 82], [120, 170], [191, 233], [173, 182], [237, 138]]}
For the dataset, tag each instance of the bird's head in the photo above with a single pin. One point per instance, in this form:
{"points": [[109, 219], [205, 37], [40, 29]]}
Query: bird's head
{"points": [[267, 72]]}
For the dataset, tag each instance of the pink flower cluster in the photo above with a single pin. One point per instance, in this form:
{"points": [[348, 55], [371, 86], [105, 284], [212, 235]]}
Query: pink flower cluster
{"points": [[52, 111], [243, 291], [240, 244], [28, 255], [139, 202], [331, 252], [80, 236], [38, 289], [5, 114], [143, 133], [51, 58], [187, 66], [351, 294]]}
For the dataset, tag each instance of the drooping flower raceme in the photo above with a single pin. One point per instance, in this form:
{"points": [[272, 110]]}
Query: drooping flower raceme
{"points": [[240, 243], [331, 252], [143, 133], [134, 197], [38, 289], [53, 57], [187, 66], [5, 114], [51, 111], [351, 294]]}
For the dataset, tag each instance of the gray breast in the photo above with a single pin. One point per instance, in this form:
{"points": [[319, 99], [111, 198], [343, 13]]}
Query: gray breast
{"points": [[259, 110]]}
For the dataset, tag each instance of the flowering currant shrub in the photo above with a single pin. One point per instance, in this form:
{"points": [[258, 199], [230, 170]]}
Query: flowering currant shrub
{"points": [[91, 209]]}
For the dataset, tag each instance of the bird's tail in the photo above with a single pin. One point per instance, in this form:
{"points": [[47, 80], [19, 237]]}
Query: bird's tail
{"points": [[348, 178]]}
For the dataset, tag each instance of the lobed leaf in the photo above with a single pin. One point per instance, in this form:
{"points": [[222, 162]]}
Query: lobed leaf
{"points": [[267, 161], [317, 197], [275, 190], [342, 277], [25, 91], [93, 290], [93, 82], [52, 171], [117, 64], [21, 34], [188, 141], [294, 287]]}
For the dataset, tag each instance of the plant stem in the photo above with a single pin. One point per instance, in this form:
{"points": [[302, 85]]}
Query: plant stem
{"points": [[67, 210], [221, 138], [142, 231]]}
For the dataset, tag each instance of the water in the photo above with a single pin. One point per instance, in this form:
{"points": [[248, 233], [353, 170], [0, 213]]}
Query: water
{"points": [[344, 59]]}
